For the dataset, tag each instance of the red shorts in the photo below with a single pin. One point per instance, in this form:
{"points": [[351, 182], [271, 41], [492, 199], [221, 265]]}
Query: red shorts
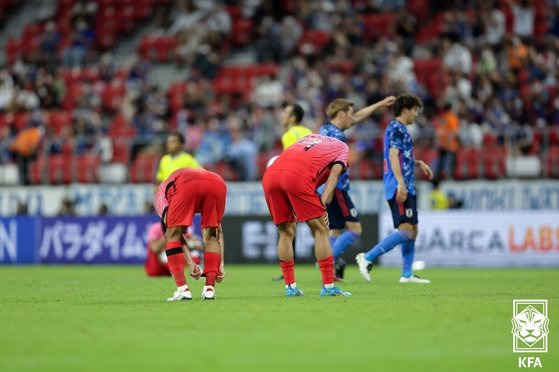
{"points": [[290, 198], [188, 196]]}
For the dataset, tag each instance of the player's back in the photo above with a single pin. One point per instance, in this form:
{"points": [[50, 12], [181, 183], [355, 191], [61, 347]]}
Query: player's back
{"points": [[186, 174], [312, 157]]}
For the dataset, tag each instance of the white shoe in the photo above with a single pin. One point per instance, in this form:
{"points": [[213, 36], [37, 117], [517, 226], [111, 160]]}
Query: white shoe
{"points": [[364, 266], [414, 279], [181, 295], [208, 292]]}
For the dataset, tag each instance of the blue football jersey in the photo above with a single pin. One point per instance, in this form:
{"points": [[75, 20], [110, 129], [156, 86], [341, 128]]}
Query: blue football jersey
{"points": [[397, 136], [331, 130]]}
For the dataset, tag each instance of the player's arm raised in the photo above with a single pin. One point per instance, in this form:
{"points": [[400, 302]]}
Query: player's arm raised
{"points": [[371, 109], [393, 157], [330, 184]]}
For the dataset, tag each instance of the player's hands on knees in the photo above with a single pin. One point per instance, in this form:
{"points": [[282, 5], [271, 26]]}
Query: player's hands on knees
{"points": [[402, 193], [221, 273], [195, 271]]}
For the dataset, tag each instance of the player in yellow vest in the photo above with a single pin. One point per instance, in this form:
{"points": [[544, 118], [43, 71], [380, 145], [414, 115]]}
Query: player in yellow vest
{"points": [[291, 119], [175, 159]]}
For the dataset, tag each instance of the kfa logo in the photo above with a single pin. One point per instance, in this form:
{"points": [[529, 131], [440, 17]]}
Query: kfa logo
{"points": [[529, 326], [529, 330]]}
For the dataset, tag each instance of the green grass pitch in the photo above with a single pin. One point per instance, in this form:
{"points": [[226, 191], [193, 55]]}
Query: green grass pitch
{"points": [[107, 318]]}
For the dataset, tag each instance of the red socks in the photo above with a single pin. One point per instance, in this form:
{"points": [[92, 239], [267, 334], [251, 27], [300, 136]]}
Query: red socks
{"points": [[288, 272], [175, 256], [326, 266], [211, 266]]}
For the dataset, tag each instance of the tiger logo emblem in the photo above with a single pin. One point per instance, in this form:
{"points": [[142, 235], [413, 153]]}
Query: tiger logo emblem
{"points": [[530, 326]]}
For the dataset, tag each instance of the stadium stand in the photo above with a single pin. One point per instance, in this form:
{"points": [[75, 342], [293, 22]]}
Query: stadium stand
{"points": [[243, 59]]}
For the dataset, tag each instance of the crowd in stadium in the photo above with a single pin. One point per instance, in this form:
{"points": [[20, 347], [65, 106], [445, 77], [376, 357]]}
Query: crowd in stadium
{"points": [[487, 72]]}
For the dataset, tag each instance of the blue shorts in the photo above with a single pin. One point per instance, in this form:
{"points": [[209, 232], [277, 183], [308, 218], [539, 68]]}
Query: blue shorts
{"points": [[341, 210], [403, 212]]}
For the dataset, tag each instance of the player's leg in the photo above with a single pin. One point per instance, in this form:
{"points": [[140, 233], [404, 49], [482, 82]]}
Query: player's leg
{"points": [[175, 258], [408, 253], [286, 232], [324, 256], [404, 216], [212, 210], [346, 218]]}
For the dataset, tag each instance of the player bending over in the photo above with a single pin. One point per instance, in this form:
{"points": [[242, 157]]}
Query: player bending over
{"points": [[399, 189], [184, 193], [289, 187]]}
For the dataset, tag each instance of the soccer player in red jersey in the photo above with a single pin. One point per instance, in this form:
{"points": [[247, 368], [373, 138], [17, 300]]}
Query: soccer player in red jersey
{"points": [[290, 185], [156, 262], [184, 193]]}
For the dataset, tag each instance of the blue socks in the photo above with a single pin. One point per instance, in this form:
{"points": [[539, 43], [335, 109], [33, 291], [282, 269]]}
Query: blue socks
{"points": [[343, 241], [408, 252], [396, 238]]}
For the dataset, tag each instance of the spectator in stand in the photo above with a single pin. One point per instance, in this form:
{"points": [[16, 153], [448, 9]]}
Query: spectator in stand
{"points": [[439, 199], [242, 154], [26, 147], [67, 207], [82, 38], [523, 14], [447, 126]]}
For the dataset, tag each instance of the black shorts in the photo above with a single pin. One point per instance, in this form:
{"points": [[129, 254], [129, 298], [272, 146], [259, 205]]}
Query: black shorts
{"points": [[341, 210], [405, 212]]}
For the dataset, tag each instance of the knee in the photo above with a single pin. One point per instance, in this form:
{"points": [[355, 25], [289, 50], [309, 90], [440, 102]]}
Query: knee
{"points": [[356, 229], [415, 232], [287, 231], [209, 234], [173, 234]]}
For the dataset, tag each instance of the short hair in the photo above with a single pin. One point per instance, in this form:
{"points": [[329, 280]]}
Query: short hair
{"points": [[406, 101], [297, 111], [338, 105], [179, 136]]}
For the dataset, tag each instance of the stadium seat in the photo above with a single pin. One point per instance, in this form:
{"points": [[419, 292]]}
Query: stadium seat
{"points": [[241, 31], [377, 25], [86, 168], [121, 150], [37, 171], [494, 163], [550, 167], [143, 169], [58, 120], [467, 164], [59, 169]]}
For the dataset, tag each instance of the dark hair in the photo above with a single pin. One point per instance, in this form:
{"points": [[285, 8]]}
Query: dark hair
{"points": [[406, 101], [297, 111], [179, 136]]}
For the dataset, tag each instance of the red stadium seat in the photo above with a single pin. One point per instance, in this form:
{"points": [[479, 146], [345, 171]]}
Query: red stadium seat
{"points": [[59, 169], [494, 163], [87, 168], [58, 120], [37, 170], [550, 166], [143, 169], [377, 25], [467, 164], [241, 31], [121, 150]]}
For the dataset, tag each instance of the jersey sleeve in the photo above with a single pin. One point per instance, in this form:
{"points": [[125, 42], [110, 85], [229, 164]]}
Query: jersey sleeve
{"points": [[396, 139], [343, 156], [155, 232]]}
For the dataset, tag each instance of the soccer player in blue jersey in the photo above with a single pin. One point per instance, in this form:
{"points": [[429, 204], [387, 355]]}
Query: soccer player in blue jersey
{"points": [[345, 227], [399, 189]]}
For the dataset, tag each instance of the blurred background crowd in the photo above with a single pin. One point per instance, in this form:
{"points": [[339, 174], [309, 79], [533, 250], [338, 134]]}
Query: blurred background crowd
{"points": [[89, 87]]}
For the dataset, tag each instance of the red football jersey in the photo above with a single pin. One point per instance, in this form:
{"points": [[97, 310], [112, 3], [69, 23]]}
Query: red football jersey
{"points": [[312, 157]]}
